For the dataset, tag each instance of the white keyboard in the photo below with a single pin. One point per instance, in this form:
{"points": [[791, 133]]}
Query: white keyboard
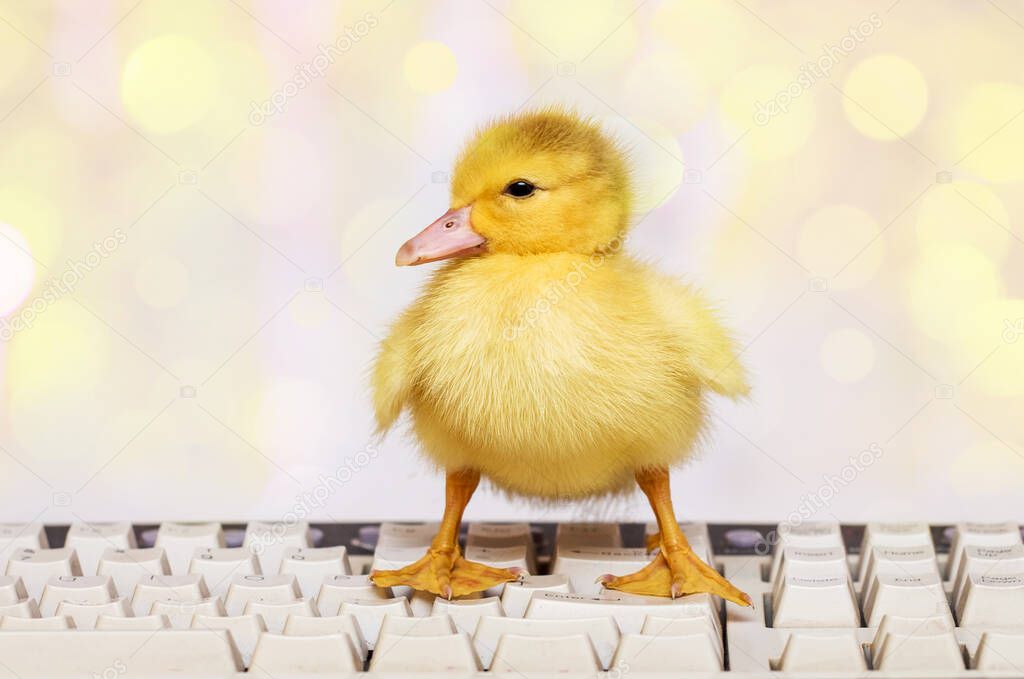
{"points": [[293, 600]]}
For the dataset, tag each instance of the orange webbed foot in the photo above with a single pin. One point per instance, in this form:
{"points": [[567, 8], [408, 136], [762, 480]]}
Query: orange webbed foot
{"points": [[676, 573], [446, 573]]}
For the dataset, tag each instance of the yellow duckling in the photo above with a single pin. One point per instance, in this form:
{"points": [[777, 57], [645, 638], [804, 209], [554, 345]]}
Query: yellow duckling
{"points": [[543, 358]]}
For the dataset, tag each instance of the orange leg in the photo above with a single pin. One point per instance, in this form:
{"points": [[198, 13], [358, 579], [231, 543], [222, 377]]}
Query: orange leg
{"points": [[442, 570], [676, 570]]}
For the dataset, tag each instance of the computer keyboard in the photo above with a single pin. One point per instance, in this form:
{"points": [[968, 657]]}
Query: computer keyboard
{"points": [[292, 599]]}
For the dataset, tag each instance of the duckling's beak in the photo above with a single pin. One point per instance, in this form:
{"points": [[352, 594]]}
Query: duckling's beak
{"points": [[450, 236]]}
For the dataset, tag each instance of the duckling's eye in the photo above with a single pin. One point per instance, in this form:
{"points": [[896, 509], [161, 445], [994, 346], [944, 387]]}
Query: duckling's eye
{"points": [[520, 189]]}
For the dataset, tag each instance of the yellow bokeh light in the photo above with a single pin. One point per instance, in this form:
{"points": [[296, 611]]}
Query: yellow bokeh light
{"points": [[657, 158], [991, 347], [36, 218], [946, 284], [662, 86], [986, 468], [966, 213], [767, 103], [430, 67], [711, 34], [833, 241], [847, 355], [989, 144], [601, 32], [886, 97], [17, 273], [168, 83], [161, 281]]}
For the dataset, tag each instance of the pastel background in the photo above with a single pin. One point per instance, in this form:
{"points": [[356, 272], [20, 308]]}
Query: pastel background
{"points": [[200, 201]]}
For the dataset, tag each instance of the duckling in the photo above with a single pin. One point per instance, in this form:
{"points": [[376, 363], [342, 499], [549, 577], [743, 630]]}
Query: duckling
{"points": [[542, 357]]}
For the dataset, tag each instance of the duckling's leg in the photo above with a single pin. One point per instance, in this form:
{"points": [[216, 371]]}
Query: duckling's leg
{"points": [[676, 570], [442, 570]]}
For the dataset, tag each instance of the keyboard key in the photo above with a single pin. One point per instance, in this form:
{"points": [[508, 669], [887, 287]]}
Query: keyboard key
{"points": [[84, 589], [655, 653], [628, 611], [280, 655], [900, 534], [126, 567], [429, 626], [987, 561], [602, 632], [908, 596], [465, 613], [140, 623], [172, 588], [904, 561], [270, 541], [825, 601], [180, 613], [85, 614], [26, 608], [181, 540], [501, 546], [833, 652], [36, 567], [585, 565], [807, 535], [810, 562], [269, 588], [245, 630], [369, 614], [275, 614], [906, 626], [220, 566], [12, 590], [516, 595], [521, 654], [696, 534], [584, 535], [445, 653], [18, 536], [992, 600], [338, 589], [999, 651], [47, 624], [1005, 534], [91, 540], [418, 535], [686, 627], [938, 651], [311, 566], [304, 626]]}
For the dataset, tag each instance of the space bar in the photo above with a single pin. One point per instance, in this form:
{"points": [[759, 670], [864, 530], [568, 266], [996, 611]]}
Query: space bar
{"points": [[143, 653]]}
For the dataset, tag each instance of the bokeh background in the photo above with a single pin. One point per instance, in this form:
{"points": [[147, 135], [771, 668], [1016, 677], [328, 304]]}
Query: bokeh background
{"points": [[200, 201]]}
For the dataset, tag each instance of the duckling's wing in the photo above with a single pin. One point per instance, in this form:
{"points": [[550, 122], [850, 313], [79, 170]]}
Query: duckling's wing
{"points": [[391, 382], [707, 348]]}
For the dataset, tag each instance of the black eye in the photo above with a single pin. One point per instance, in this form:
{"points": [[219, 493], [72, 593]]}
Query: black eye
{"points": [[520, 189]]}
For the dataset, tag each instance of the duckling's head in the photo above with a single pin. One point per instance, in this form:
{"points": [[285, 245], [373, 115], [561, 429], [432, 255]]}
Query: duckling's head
{"points": [[532, 183]]}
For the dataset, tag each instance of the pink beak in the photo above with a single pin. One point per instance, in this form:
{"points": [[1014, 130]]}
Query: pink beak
{"points": [[450, 236]]}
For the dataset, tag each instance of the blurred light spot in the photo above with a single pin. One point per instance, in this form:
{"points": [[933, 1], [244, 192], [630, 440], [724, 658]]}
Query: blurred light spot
{"points": [[602, 32], [36, 217], [986, 468], [768, 103], [991, 348], [886, 97], [656, 156], [847, 355], [993, 148], [168, 83], [17, 269], [161, 281], [430, 67], [663, 86], [946, 283], [964, 213], [712, 35], [830, 242]]}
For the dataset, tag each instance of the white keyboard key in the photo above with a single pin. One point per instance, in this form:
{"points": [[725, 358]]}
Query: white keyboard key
{"points": [[219, 566], [418, 535], [685, 627], [35, 567], [992, 600], [516, 595], [429, 626], [1005, 534], [521, 654], [127, 567], [826, 601], [809, 535], [275, 614], [303, 626], [84, 589], [245, 630], [907, 596], [938, 651], [174, 588], [602, 632], [906, 626], [181, 540], [369, 614], [628, 611], [26, 608], [338, 589], [581, 535], [465, 613], [180, 613], [445, 653], [650, 653], [584, 565], [12, 590], [810, 562], [999, 651], [499, 535], [72, 653], [270, 588], [903, 561], [987, 561], [48, 624], [280, 655], [91, 540], [17, 536], [85, 614], [501, 557], [269, 541], [311, 566], [140, 623], [832, 652], [898, 534]]}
